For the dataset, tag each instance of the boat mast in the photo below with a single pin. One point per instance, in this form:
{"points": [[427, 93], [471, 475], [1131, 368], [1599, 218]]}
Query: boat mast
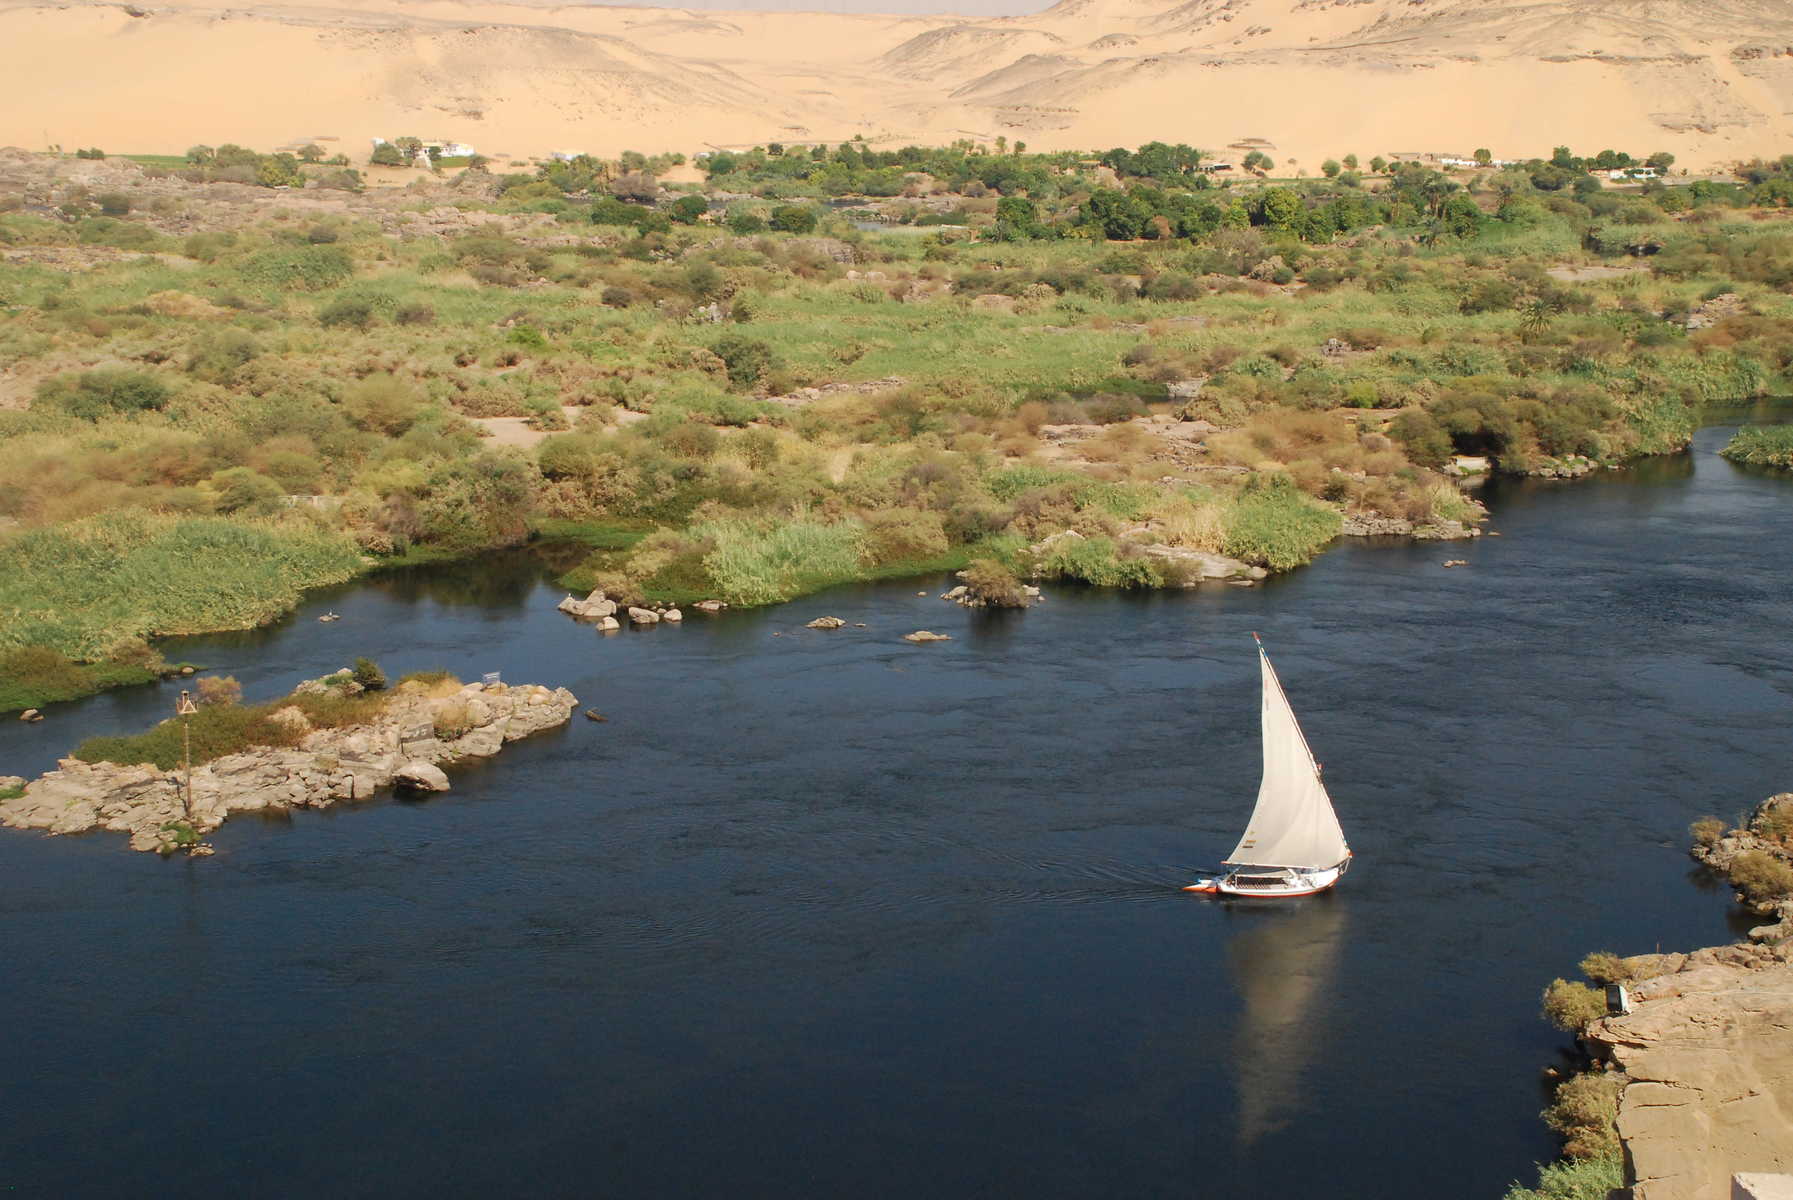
{"points": [[1270, 669]]}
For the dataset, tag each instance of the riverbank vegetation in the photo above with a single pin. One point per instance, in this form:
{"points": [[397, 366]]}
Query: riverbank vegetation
{"points": [[1583, 1110], [1762, 446], [222, 725], [732, 389]]}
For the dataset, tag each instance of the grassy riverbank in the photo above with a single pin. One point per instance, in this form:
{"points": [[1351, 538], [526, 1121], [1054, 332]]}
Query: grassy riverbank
{"points": [[1762, 446], [209, 408]]}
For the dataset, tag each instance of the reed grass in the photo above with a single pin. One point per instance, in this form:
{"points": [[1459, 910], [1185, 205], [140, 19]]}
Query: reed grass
{"points": [[757, 562], [80, 587], [221, 729], [1762, 446]]}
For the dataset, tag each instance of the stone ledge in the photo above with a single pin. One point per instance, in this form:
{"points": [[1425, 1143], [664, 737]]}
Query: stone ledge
{"points": [[327, 766]]}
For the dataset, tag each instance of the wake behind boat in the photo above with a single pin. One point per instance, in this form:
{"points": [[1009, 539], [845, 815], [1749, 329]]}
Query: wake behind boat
{"points": [[1293, 845]]}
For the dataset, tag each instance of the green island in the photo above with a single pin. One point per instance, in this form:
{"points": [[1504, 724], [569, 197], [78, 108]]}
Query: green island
{"points": [[229, 377]]}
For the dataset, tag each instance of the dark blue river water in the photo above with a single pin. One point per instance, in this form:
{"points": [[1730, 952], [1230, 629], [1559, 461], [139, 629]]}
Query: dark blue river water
{"points": [[828, 913]]}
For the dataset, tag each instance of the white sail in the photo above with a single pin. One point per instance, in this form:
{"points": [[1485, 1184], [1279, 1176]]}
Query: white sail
{"points": [[1293, 824]]}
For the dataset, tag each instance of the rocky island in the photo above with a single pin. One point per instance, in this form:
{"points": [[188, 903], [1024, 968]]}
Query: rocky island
{"points": [[327, 742], [1706, 1069], [1690, 1080]]}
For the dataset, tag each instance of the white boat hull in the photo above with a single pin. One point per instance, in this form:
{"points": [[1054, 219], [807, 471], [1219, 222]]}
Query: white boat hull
{"points": [[1281, 884]]}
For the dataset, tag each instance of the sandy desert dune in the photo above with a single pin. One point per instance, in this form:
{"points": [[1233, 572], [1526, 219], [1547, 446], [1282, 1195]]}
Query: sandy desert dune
{"points": [[1710, 80]]}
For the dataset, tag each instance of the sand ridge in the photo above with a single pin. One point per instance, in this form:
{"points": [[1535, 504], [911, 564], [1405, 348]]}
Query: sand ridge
{"points": [[1710, 80]]}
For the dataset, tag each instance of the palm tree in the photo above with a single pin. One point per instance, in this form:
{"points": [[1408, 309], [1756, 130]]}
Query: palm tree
{"points": [[1535, 317]]}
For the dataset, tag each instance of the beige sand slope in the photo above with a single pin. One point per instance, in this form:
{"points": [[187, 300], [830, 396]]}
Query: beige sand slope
{"points": [[1711, 80]]}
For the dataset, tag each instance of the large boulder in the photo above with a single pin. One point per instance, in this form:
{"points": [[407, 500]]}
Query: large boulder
{"points": [[420, 776], [478, 743], [594, 607], [643, 616], [825, 623]]}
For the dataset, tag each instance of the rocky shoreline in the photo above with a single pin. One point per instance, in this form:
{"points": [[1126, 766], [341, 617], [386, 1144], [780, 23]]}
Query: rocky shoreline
{"points": [[1758, 845], [417, 731], [1705, 1069], [1702, 1062]]}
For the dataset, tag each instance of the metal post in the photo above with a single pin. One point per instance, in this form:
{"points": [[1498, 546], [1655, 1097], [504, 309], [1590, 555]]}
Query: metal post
{"points": [[186, 708]]}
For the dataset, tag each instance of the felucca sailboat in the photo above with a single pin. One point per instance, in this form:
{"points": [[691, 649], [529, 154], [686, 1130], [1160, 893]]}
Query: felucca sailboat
{"points": [[1293, 845]]}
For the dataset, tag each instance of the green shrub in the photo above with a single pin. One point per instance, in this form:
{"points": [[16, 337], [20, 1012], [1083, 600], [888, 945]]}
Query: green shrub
{"points": [[747, 358], [103, 392], [897, 535], [241, 490], [1761, 876], [219, 689], [608, 210], [1585, 1112], [691, 439], [1274, 525], [1580, 1179], [216, 354], [209, 246], [994, 584], [477, 502], [382, 403], [687, 209], [794, 218], [347, 312], [1571, 1006], [302, 268], [1095, 561], [368, 674], [1707, 831], [1603, 967], [181, 835]]}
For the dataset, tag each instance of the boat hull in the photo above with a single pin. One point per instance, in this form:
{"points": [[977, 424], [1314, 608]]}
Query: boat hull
{"points": [[1277, 885]]}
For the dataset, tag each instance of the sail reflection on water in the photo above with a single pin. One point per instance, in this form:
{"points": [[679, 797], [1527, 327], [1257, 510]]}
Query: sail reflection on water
{"points": [[1283, 961]]}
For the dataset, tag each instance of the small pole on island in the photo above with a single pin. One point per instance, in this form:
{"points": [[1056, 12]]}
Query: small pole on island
{"points": [[185, 708]]}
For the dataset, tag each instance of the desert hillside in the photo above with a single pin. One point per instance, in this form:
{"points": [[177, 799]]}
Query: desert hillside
{"points": [[1710, 80]]}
